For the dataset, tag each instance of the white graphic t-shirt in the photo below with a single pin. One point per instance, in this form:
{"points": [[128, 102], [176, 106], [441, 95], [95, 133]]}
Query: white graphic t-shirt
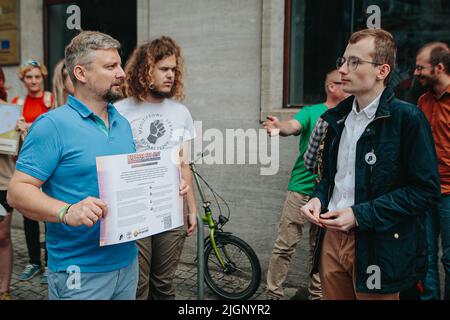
{"points": [[157, 126]]}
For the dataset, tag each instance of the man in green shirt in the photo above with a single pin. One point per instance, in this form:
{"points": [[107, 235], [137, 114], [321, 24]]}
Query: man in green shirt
{"points": [[300, 189]]}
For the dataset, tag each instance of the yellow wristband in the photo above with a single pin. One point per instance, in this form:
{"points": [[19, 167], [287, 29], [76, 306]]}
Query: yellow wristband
{"points": [[62, 213]]}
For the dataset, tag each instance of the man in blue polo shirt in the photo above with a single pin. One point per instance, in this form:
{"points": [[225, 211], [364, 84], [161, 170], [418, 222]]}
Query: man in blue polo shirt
{"points": [[59, 156]]}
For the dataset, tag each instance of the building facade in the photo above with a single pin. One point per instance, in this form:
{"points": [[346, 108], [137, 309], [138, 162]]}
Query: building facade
{"points": [[245, 60]]}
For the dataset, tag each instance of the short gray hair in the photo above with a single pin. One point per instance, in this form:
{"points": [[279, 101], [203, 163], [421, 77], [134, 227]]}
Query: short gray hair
{"points": [[83, 44]]}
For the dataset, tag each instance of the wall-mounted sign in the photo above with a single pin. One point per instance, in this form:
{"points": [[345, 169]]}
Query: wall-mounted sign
{"points": [[9, 47], [9, 11], [9, 32]]}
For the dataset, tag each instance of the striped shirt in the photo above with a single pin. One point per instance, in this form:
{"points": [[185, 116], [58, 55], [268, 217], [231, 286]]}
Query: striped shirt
{"points": [[311, 156]]}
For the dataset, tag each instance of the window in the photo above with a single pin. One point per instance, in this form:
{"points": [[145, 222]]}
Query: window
{"points": [[98, 15], [317, 32]]}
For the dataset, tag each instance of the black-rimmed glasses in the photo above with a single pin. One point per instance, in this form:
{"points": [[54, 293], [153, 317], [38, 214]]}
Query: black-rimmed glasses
{"points": [[420, 68], [353, 62]]}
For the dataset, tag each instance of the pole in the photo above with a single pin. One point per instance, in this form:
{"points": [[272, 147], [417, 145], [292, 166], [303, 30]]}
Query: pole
{"points": [[200, 240], [200, 258]]}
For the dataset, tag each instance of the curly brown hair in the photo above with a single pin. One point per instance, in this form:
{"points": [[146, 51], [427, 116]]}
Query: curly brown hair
{"points": [[139, 68]]}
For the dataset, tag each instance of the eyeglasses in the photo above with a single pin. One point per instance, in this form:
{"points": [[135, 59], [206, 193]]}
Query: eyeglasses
{"points": [[420, 68], [33, 63], [353, 62]]}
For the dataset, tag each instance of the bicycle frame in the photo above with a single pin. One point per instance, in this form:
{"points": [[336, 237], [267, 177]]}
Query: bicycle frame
{"points": [[207, 217], [214, 249]]}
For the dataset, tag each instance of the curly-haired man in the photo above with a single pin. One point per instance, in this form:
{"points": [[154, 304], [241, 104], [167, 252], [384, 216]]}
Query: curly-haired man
{"points": [[154, 85]]}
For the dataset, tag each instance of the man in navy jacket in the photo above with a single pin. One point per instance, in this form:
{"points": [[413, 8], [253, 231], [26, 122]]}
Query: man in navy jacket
{"points": [[380, 175]]}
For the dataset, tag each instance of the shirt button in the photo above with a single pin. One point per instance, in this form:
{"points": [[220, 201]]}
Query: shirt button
{"points": [[396, 236]]}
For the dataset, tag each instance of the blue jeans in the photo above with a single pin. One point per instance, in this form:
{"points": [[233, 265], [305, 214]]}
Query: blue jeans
{"points": [[115, 285], [444, 217], [437, 221]]}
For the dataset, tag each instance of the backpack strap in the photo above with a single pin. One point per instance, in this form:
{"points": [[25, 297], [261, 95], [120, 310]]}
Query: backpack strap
{"points": [[48, 100], [20, 101]]}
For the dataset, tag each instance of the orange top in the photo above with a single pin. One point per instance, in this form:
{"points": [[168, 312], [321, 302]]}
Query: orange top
{"points": [[437, 111], [33, 107]]}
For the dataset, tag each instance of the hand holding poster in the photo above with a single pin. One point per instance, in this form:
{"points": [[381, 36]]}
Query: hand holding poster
{"points": [[142, 194]]}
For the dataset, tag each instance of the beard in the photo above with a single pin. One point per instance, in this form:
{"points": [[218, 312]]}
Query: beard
{"points": [[160, 94], [428, 81], [109, 95], [112, 95]]}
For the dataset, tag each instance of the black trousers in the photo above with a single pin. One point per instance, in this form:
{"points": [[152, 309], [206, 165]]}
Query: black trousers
{"points": [[32, 236]]}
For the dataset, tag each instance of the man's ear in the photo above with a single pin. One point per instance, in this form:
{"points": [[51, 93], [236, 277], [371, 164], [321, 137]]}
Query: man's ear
{"points": [[80, 73], [440, 68], [384, 71], [332, 88]]}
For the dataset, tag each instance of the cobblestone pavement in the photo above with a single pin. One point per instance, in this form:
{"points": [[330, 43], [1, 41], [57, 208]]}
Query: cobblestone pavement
{"points": [[185, 278]]}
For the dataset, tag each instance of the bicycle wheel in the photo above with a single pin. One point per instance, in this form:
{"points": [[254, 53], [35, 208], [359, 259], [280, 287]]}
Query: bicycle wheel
{"points": [[241, 276]]}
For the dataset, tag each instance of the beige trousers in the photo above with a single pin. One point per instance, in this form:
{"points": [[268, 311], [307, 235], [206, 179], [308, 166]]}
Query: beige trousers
{"points": [[158, 260], [290, 232]]}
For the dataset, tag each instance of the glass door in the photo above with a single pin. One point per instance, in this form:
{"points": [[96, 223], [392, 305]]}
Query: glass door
{"points": [[64, 19]]}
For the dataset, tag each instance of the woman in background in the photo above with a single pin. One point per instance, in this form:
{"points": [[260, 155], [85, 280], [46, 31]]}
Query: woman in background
{"points": [[37, 102], [62, 85], [6, 249]]}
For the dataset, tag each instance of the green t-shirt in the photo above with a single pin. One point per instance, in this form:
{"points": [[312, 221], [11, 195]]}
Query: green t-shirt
{"points": [[302, 180]]}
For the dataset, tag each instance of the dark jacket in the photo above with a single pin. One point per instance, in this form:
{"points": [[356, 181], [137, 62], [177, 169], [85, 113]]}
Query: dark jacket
{"points": [[390, 195]]}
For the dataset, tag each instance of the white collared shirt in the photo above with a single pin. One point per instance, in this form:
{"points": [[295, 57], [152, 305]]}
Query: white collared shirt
{"points": [[355, 124]]}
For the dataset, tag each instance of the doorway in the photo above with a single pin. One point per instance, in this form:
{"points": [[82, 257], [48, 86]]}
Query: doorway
{"points": [[63, 20]]}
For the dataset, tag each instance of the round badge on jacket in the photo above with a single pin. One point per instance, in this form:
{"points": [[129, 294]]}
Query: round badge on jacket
{"points": [[371, 158]]}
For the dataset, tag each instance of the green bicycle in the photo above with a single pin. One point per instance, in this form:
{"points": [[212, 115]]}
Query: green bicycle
{"points": [[231, 266]]}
